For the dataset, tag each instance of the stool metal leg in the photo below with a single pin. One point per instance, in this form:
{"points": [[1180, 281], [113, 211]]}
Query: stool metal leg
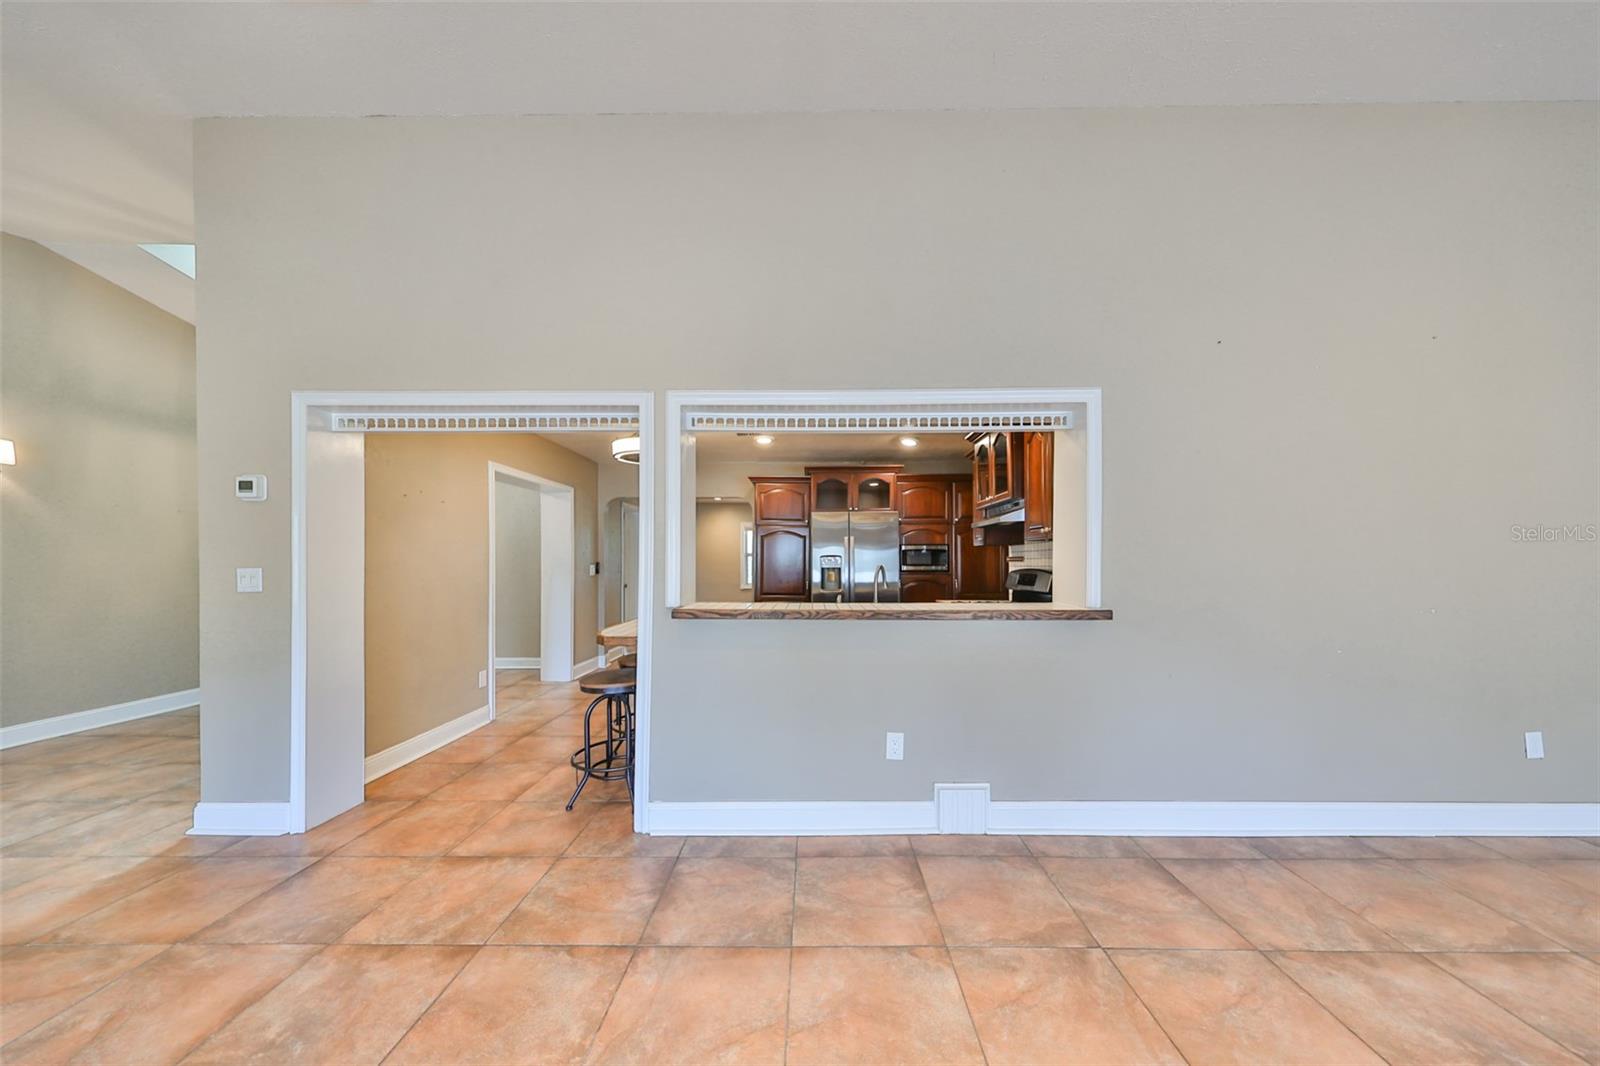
{"points": [[588, 756]]}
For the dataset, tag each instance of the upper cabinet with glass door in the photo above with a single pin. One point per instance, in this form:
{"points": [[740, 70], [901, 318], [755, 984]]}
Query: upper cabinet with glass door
{"points": [[994, 468], [852, 488]]}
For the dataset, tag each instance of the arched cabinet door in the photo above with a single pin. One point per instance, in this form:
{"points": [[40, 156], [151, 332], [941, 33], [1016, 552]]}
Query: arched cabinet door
{"points": [[924, 588], [783, 501], [831, 493], [924, 501], [874, 492], [783, 560]]}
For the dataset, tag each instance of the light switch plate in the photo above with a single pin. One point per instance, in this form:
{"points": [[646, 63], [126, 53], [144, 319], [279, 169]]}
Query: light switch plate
{"points": [[247, 579], [483, 679], [1533, 744]]}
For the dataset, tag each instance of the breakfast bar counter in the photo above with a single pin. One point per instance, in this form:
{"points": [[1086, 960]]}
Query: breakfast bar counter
{"points": [[949, 610]]}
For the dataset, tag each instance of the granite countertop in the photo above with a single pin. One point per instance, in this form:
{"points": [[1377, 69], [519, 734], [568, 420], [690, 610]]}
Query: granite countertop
{"points": [[950, 610]]}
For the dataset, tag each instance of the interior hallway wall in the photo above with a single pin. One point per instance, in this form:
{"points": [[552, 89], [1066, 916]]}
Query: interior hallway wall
{"points": [[718, 553], [99, 538], [1344, 351], [427, 570], [516, 570]]}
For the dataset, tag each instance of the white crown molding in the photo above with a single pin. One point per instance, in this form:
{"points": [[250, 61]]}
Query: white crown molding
{"points": [[392, 758], [62, 725]]}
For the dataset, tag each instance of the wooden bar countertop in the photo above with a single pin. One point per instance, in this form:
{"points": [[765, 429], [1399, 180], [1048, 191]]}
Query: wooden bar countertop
{"points": [[968, 610]]}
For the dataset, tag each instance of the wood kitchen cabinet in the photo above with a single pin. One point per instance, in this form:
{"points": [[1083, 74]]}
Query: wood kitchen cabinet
{"points": [[996, 468], [853, 488], [1038, 472], [782, 538], [924, 498], [925, 588], [978, 572]]}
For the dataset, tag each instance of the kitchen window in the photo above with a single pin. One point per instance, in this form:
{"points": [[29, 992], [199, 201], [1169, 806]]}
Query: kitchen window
{"points": [[895, 504]]}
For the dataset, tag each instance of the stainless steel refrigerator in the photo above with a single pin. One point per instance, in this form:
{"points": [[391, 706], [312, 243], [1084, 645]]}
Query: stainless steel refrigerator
{"points": [[855, 556]]}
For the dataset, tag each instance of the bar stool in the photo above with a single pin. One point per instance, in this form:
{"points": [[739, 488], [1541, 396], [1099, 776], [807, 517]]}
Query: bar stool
{"points": [[615, 689], [630, 661]]}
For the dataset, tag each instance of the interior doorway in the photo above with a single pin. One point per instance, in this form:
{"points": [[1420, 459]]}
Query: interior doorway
{"points": [[627, 606], [328, 580], [539, 614]]}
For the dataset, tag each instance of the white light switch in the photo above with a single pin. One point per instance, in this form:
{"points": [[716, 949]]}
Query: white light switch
{"points": [[1533, 744], [247, 579]]}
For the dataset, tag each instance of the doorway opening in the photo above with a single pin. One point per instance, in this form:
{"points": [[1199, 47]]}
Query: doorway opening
{"points": [[531, 561], [336, 437]]}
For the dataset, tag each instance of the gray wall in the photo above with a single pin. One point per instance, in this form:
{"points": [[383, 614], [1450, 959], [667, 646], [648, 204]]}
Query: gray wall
{"points": [[98, 534], [1344, 350], [516, 570], [717, 553]]}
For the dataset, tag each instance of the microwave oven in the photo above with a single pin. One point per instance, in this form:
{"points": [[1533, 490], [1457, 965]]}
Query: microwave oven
{"points": [[934, 557]]}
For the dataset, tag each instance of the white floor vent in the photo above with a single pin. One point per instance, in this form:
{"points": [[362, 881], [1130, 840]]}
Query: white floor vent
{"points": [[962, 808]]}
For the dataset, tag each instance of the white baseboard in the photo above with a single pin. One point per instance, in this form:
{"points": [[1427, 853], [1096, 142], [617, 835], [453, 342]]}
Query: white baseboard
{"points": [[516, 662], [390, 759], [588, 666], [240, 819], [61, 725], [1109, 818]]}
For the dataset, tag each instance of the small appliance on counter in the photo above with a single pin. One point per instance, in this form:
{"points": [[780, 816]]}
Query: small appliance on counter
{"points": [[1029, 584]]}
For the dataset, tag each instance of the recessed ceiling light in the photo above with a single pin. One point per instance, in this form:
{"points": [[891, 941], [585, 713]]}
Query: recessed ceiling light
{"points": [[764, 440], [908, 442]]}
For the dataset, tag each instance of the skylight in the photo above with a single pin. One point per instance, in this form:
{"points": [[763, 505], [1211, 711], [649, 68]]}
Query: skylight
{"points": [[179, 257]]}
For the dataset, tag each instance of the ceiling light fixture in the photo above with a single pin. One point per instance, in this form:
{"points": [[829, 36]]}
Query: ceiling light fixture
{"points": [[626, 450], [764, 440], [8, 453], [908, 442]]}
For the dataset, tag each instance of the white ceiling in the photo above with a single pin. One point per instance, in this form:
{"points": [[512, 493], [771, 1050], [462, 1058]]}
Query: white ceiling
{"points": [[850, 448], [98, 98]]}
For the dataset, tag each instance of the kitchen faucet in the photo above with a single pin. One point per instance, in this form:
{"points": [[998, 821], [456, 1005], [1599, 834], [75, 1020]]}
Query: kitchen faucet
{"points": [[881, 574]]}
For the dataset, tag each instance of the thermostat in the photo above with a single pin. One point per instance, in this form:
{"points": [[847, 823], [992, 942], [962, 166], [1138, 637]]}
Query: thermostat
{"points": [[250, 486]]}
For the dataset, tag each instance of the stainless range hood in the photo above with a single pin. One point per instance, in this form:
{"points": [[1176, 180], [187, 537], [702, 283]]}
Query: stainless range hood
{"points": [[1011, 512]]}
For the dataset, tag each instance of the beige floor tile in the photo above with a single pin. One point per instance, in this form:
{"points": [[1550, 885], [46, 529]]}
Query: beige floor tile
{"points": [[1560, 910], [967, 844], [841, 847], [317, 905], [16, 871], [1313, 848], [527, 829], [1235, 1006], [1273, 908], [1199, 848], [558, 783], [738, 848], [350, 1003], [1057, 1005], [588, 901], [698, 1005], [714, 902], [1415, 909], [1541, 847], [157, 1013], [863, 902], [79, 887], [99, 834], [1559, 995], [24, 820], [414, 781], [1410, 1010], [1136, 903], [1584, 873], [427, 827], [999, 901], [453, 901], [517, 1005], [492, 781], [324, 839], [173, 841], [37, 983], [199, 893], [1084, 847], [610, 834], [876, 1005], [1428, 848], [472, 748], [540, 750]]}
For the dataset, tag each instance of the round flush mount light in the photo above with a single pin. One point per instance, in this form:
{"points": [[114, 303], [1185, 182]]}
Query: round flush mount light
{"points": [[764, 439], [625, 450], [908, 442]]}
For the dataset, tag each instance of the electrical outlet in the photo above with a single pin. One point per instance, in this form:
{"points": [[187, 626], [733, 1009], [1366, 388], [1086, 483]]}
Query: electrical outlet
{"points": [[247, 579], [1533, 744], [483, 679], [894, 746]]}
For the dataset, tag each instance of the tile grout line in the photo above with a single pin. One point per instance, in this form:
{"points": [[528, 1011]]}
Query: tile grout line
{"points": [[1147, 1008], [1328, 1010], [1428, 955], [788, 990], [916, 860]]}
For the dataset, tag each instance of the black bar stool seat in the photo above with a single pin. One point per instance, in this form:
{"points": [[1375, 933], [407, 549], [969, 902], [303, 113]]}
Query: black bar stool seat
{"points": [[610, 759]]}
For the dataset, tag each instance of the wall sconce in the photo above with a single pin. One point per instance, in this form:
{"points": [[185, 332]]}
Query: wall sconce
{"points": [[8, 453]]}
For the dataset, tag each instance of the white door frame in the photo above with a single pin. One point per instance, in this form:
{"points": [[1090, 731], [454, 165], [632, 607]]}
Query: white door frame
{"points": [[626, 585], [558, 532], [303, 410]]}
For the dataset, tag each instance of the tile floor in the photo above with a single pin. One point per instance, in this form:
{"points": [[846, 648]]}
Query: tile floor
{"points": [[460, 915]]}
